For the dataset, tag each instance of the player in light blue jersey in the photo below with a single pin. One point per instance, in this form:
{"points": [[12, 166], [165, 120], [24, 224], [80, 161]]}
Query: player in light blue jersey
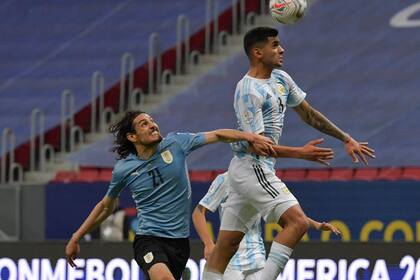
{"points": [[260, 103], [249, 260], [155, 171]]}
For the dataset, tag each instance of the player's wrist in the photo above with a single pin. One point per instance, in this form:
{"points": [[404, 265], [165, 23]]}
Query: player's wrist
{"points": [[347, 138]]}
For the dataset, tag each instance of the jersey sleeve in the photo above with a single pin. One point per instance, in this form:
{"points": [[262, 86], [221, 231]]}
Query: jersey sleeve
{"points": [[188, 141], [117, 184], [216, 194], [248, 109], [296, 95]]}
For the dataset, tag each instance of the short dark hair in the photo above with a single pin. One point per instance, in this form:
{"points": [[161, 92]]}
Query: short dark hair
{"points": [[258, 35], [122, 146]]}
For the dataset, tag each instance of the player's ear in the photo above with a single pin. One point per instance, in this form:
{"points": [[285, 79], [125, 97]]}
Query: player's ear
{"points": [[132, 137], [257, 52]]}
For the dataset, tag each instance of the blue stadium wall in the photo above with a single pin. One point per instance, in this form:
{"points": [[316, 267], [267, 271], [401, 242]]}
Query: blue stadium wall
{"points": [[363, 211]]}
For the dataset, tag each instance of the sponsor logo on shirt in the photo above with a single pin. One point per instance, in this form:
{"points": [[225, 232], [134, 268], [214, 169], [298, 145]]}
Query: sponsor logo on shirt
{"points": [[135, 173], [167, 156]]}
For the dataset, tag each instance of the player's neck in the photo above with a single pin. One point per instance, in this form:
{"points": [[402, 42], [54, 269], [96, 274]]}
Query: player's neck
{"points": [[260, 72], [145, 152]]}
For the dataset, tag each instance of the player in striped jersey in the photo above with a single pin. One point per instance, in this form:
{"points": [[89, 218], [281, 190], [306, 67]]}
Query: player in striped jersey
{"points": [[249, 260], [260, 103]]}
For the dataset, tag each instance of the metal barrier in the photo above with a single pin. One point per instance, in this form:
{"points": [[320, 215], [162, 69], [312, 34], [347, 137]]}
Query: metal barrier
{"points": [[97, 90], [264, 7], [136, 98], [67, 116], [182, 24], [250, 21], [76, 133], [36, 114], [127, 69], [154, 50], [8, 143], [211, 14], [167, 78]]}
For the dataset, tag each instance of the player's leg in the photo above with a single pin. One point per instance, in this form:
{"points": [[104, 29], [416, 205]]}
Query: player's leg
{"points": [[178, 252], [236, 220], [151, 258], [281, 208]]}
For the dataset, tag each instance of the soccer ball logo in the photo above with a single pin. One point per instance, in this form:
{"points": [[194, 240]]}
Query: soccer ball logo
{"points": [[287, 11]]}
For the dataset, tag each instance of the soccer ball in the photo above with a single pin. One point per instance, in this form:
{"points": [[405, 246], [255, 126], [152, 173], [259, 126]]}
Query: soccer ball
{"points": [[287, 11]]}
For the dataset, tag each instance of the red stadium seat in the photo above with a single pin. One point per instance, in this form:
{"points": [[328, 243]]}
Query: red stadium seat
{"points": [[87, 175], [318, 174], [64, 176], [279, 173], [366, 174], [341, 174], [105, 174], [411, 173], [294, 174], [391, 173], [202, 176]]}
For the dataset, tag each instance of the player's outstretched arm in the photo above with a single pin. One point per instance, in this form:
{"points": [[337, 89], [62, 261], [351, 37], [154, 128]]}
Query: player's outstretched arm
{"points": [[317, 120], [99, 213], [200, 225], [310, 151], [232, 135], [323, 226]]}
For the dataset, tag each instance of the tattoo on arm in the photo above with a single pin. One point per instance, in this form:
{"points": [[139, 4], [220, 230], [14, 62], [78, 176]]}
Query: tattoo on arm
{"points": [[317, 120]]}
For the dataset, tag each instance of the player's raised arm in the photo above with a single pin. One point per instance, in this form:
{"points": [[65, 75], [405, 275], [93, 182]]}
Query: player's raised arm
{"points": [[99, 213], [317, 120]]}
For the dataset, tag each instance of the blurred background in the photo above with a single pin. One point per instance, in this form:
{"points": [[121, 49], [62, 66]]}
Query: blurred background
{"points": [[70, 68]]}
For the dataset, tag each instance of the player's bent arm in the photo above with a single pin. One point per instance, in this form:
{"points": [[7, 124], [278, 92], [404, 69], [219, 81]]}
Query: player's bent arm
{"points": [[200, 224], [317, 120], [99, 213]]}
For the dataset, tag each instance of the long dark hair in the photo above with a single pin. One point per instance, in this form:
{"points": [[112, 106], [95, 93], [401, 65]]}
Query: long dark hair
{"points": [[122, 146]]}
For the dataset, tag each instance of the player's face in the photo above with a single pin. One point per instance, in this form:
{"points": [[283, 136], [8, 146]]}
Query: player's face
{"points": [[272, 53], [147, 131]]}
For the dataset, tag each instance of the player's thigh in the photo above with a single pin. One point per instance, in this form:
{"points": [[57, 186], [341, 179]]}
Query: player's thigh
{"points": [[148, 252], [160, 271], [263, 190], [231, 274], [238, 214], [178, 252]]}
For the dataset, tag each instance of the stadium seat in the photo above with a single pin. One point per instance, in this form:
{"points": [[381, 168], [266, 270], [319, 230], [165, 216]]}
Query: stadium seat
{"points": [[341, 174], [411, 173], [87, 175], [294, 174], [391, 173], [366, 174], [318, 174], [279, 173], [105, 174], [64, 176], [201, 176]]}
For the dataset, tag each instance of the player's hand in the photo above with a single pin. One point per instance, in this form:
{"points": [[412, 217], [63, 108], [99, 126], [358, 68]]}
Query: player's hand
{"points": [[72, 250], [329, 227], [265, 150], [310, 151], [208, 250], [358, 150]]}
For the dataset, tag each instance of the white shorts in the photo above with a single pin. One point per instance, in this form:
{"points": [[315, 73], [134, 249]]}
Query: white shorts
{"points": [[253, 190], [231, 274]]}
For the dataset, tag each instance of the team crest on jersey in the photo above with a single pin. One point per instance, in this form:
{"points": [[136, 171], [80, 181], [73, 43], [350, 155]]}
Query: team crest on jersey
{"points": [[148, 258], [167, 156], [281, 89]]}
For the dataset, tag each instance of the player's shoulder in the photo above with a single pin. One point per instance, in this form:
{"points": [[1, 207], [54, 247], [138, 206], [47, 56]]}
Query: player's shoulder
{"points": [[123, 165], [249, 86], [279, 74]]}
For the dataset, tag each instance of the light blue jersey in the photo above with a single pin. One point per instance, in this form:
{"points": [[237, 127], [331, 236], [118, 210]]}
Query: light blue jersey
{"points": [[160, 186], [260, 106], [251, 252]]}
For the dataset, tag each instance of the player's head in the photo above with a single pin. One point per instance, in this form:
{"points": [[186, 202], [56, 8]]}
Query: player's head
{"points": [[134, 128], [262, 45]]}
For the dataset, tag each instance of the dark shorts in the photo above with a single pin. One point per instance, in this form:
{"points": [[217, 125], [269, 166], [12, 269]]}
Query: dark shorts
{"points": [[174, 252]]}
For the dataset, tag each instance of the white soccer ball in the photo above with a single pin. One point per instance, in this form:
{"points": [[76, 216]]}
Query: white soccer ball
{"points": [[287, 11]]}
